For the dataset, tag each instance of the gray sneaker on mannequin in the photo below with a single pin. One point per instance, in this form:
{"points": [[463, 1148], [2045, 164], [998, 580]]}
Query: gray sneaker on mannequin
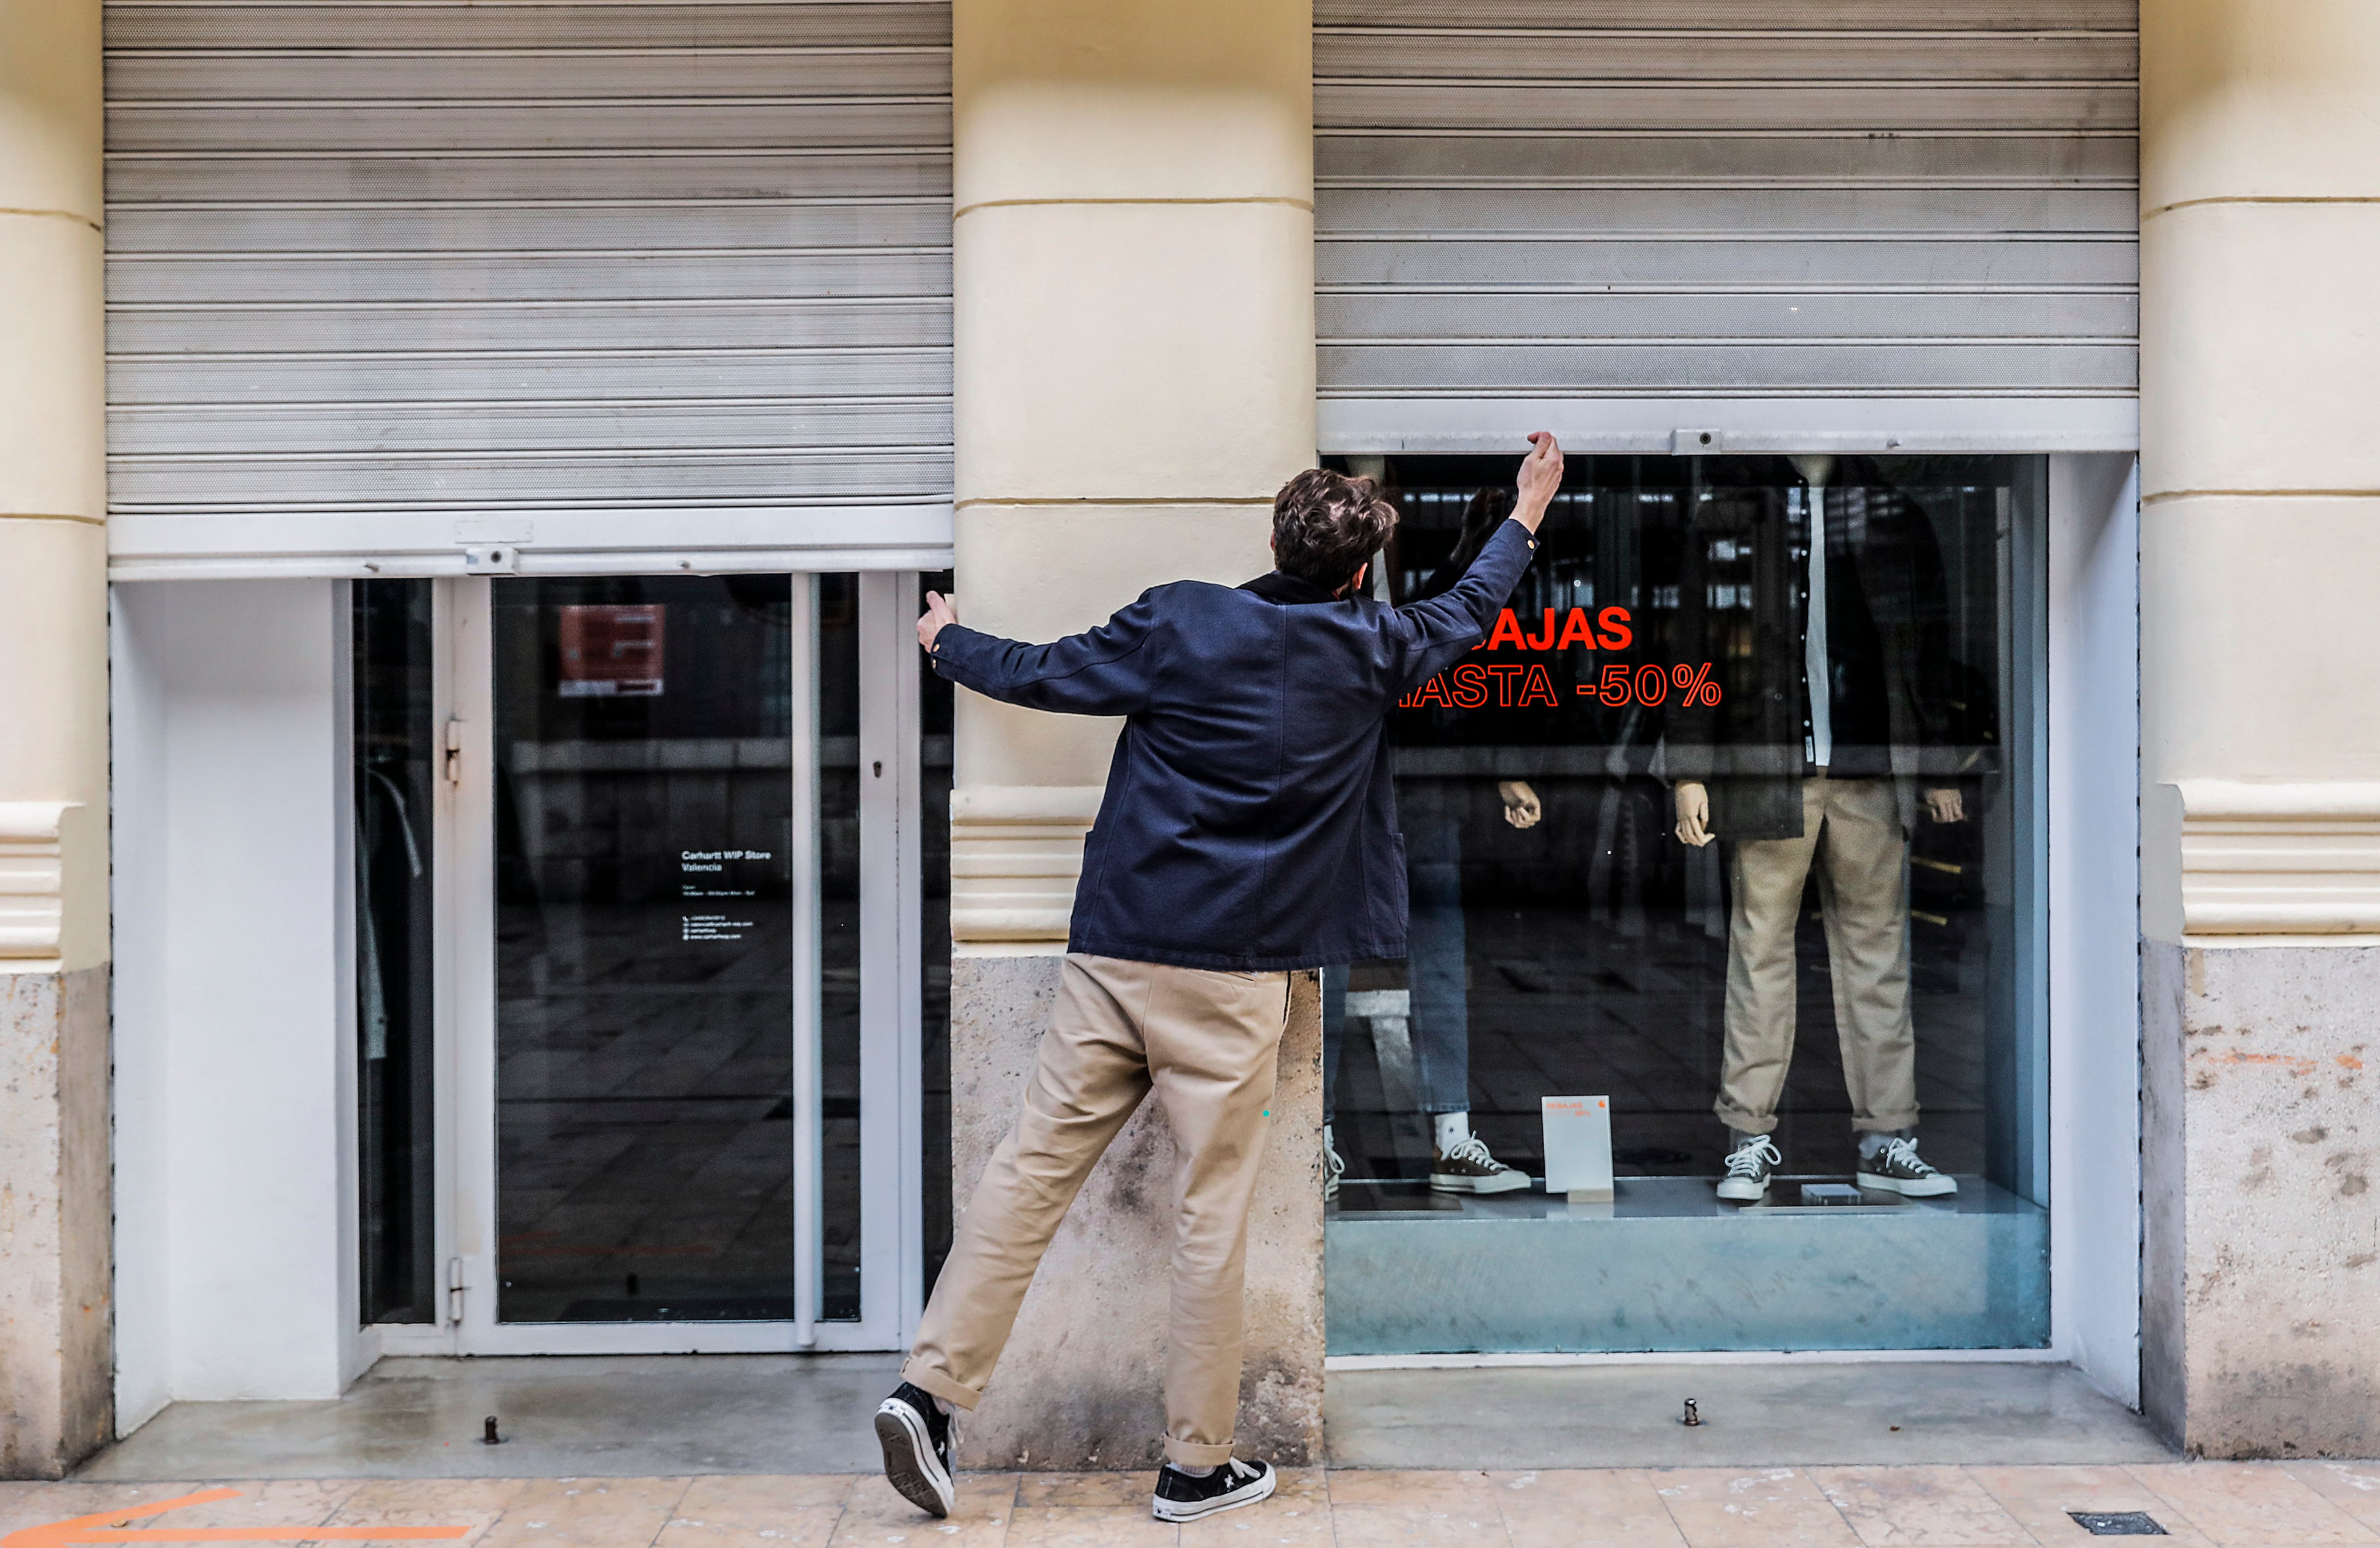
{"points": [[1468, 1167], [1891, 1162], [1754, 1161]]}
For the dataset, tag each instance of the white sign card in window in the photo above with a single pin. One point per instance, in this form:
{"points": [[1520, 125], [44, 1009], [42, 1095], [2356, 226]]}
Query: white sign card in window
{"points": [[1578, 1148], [703, 874]]}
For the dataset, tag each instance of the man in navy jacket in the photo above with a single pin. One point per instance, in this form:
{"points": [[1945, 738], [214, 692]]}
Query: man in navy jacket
{"points": [[1248, 829]]}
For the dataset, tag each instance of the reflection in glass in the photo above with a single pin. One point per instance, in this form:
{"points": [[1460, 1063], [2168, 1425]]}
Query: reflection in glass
{"points": [[837, 776], [1826, 663], [644, 913], [397, 754], [935, 695]]}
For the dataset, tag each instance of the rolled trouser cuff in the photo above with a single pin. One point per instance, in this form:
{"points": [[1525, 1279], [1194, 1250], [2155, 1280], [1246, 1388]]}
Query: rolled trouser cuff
{"points": [[1885, 1123], [927, 1378], [1190, 1454], [1743, 1121]]}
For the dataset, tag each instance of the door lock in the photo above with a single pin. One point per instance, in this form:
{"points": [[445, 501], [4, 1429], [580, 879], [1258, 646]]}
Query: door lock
{"points": [[453, 752]]}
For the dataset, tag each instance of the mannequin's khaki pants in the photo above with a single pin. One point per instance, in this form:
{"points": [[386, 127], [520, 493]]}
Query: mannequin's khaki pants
{"points": [[1853, 827], [1205, 1042]]}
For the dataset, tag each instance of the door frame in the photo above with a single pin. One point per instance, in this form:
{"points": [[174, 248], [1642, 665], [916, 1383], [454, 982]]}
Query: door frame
{"points": [[891, 1103]]}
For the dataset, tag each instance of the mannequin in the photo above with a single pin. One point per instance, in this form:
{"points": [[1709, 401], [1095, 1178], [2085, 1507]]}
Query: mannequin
{"points": [[1436, 948], [1865, 602]]}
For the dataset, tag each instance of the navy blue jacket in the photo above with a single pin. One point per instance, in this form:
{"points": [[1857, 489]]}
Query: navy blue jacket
{"points": [[1250, 817]]}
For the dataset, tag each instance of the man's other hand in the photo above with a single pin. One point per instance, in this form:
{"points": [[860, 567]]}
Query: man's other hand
{"points": [[1946, 806], [1540, 480], [1522, 807], [939, 612]]}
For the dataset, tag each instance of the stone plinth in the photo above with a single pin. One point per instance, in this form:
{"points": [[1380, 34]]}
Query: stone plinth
{"points": [[56, 1325], [2261, 1138], [1082, 1383]]}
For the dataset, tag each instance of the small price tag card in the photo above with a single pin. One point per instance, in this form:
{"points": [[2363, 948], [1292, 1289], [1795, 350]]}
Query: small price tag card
{"points": [[1578, 1146]]}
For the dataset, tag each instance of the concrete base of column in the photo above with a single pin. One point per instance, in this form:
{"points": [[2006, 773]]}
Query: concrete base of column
{"points": [[2262, 1252], [57, 1377], [1082, 1383]]}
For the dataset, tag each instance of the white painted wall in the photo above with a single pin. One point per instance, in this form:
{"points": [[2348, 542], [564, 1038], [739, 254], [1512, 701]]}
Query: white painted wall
{"points": [[144, 1352], [234, 1016], [2094, 917]]}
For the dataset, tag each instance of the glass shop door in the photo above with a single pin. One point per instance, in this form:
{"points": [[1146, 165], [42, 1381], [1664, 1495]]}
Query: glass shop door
{"points": [[686, 1039]]}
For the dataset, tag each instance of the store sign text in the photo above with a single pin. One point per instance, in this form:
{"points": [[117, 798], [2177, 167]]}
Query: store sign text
{"points": [[1614, 621]]}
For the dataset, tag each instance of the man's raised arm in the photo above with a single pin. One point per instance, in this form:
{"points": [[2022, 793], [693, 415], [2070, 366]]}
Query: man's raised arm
{"points": [[1450, 623], [1104, 671]]}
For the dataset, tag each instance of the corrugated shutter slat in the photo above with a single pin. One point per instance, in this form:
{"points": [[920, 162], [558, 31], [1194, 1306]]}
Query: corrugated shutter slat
{"points": [[1715, 199], [392, 260]]}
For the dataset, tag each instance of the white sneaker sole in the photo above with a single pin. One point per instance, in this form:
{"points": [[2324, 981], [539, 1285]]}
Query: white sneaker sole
{"points": [[910, 1465], [1739, 1192], [1911, 1188], [1502, 1182], [1193, 1510]]}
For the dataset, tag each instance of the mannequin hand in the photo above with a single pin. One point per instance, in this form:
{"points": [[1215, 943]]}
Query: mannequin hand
{"points": [[1540, 480], [1946, 806], [1693, 814], [1521, 806], [939, 612]]}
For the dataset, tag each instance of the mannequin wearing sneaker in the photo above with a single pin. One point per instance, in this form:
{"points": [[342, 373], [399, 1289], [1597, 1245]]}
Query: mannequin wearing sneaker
{"points": [[1439, 1013], [1850, 638]]}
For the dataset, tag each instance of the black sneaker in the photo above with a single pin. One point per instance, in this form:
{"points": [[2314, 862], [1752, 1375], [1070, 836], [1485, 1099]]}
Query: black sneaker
{"points": [[916, 1440], [1181, 1497], [1469, 1168], [1895, 1166]]}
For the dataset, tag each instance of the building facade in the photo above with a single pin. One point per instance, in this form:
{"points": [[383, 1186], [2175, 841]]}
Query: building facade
{"points": [[486, 872]]}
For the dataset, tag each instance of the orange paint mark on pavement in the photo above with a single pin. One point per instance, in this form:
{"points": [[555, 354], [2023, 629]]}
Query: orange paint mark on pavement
{"points": [[2299, 1065], [94, 1529]]}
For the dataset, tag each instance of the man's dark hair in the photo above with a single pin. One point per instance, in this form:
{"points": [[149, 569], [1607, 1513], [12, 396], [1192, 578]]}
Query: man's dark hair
{"points": [[1324, 524]]}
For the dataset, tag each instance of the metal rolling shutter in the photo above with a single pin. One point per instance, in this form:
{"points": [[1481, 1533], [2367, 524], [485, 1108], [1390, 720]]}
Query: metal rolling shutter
{"points": [[594, 278], [1725, 200]]}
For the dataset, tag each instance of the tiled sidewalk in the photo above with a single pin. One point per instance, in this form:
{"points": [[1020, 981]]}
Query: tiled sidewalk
{"points": [[1702, 1507]]}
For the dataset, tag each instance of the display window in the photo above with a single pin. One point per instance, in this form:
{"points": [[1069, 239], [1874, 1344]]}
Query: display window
{"points": [[1718, 1026]]}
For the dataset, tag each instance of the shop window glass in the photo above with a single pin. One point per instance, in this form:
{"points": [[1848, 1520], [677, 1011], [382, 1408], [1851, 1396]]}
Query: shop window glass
{"points": [[1848, 970], [395, 772], [645, 981], [935, 708]]}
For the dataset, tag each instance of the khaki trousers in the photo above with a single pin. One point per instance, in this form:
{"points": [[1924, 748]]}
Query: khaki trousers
{"points": [[1863, 892], [1205, 1042]]}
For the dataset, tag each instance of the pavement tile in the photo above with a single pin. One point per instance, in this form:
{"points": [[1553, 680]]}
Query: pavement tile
{"points": [[1756, 1507], [2354, 1487], [37, 1504], [876, 1518], [2039, 1498], [1085, 1490], [1919, 1507], [1418, 1526], [1614, 1508], [1283, 1521], [1444, 1491], [2252, 1502], [1110, 1526], [585, 1513], [771, 1511], [476, 1503], [280, 1502], [772, 1492]]}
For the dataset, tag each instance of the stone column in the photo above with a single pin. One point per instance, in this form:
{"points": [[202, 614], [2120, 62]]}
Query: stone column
{"points": [[2260, 671], [56, 1371], [1134, 281]]}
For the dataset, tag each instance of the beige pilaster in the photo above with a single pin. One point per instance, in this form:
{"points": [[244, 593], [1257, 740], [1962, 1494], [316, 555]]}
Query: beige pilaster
{"points": [[1135, 377], [2260, 665], [56, 1365]]}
